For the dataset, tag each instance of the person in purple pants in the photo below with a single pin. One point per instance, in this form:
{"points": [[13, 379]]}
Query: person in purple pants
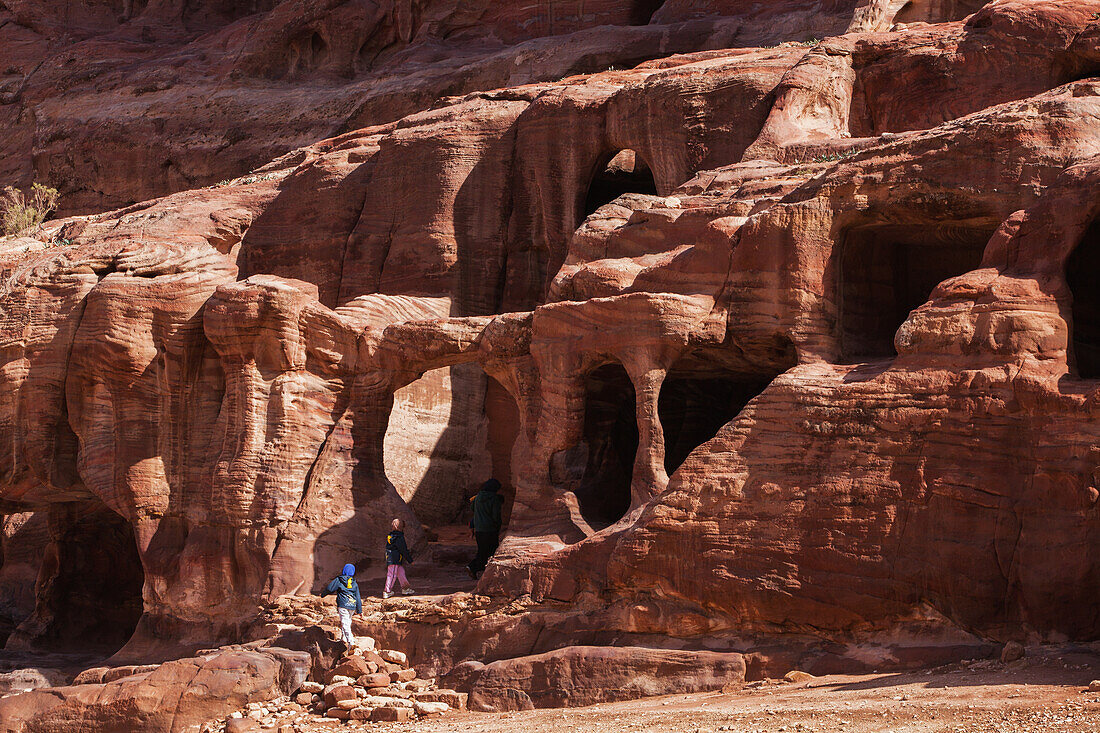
{"points": [[397, 554]]}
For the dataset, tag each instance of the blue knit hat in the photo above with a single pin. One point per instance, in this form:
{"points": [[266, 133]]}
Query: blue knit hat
{"points": [[349, 570]]}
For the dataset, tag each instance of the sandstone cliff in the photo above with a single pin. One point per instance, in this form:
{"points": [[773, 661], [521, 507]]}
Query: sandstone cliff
{"points": [[766, 339]]}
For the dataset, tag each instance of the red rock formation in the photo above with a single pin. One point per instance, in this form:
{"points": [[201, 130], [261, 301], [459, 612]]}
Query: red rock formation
{"points": [[824, 367], [176, 696], [576, 676], [24, 539], [177, 97]]}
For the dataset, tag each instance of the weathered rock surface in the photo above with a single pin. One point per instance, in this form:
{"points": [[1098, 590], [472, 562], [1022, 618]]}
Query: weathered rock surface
{"points": [[178, 98], [576, 676], [176, 696], [763, 341], [23, 680], [25, 538]]}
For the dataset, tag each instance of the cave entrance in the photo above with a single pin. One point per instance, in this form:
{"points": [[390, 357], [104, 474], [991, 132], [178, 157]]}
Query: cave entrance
{"points": [[697, 400], [609, 447], [1081, 270], [617, 174], [641, 11], [887, 271], [88, 596], [448, 432]]}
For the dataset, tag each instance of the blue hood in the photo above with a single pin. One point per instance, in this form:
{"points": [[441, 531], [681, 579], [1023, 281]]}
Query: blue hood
{"points": [[349, 570]]}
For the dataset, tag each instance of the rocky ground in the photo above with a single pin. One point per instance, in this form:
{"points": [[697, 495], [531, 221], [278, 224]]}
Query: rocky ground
{"points": [[364, 686], [1044, 692]]}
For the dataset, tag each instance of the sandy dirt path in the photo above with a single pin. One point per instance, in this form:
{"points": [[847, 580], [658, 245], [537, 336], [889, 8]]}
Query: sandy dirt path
{"points": [[1043, 693]]}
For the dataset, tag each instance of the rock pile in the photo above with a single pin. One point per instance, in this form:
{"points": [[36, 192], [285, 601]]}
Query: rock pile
{"points": [[365, 684]]}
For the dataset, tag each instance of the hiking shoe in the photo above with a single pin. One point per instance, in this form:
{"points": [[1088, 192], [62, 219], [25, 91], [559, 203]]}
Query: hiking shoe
{"points": [[407, 591], [386, 594]]}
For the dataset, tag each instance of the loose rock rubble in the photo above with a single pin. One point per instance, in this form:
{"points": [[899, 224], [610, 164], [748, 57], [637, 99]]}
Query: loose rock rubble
{"points": [[1040, 693], [365, 685]]}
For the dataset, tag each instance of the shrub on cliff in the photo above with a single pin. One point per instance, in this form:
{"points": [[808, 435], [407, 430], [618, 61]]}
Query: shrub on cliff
{"points": [[19, 211]]}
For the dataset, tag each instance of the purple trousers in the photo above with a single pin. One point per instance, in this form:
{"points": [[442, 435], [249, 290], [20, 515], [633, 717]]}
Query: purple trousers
{"points": [[395, 572]]}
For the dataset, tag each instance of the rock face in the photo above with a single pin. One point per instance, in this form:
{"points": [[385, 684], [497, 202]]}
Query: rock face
{"points": [[576, 676], [784, 340], [176, 696], [25, 537], [177, 96]]}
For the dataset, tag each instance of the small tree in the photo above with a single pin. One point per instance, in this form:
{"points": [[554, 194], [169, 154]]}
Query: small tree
{"points": [[19, 211]]}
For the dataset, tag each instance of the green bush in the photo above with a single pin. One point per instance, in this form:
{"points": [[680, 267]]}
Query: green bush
{"points": [[19, 211]]}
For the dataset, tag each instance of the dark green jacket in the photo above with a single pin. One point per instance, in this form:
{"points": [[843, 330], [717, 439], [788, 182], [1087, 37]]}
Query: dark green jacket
{"points": [[487, 506]]}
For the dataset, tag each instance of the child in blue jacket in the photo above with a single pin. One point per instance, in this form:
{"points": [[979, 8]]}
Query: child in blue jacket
{"points": [[347, 600]]}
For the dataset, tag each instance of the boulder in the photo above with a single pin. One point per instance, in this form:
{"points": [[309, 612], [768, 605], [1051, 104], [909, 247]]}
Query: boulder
{"points": [[294, 667], [90, 676], [403, 675], [379, 679], [385, 701], [334, 693], [454, 700], [175, 695], [431, 708], [240, 725], [373, 658], [354, 667], [394, 657], [797, 676], [322, 644], [31, 678], [117, 673], [587, 675], [391, 715], [1012, 651]]}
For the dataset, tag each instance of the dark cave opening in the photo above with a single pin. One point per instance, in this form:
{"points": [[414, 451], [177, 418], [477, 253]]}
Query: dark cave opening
{"points": [[89, 589], [695, 404], [641, 11], [1081, 271], [316, 49], [617, 174], [887, 271], [611, 440]]}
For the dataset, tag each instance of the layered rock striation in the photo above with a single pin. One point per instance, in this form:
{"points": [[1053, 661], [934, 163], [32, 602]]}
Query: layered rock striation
{"points": [[120, 101], [773, 341]]}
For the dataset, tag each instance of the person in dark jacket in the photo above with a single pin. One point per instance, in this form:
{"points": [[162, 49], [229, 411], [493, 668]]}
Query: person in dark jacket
{"points": [[347, 600], [397, 554], [487, 505]]}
